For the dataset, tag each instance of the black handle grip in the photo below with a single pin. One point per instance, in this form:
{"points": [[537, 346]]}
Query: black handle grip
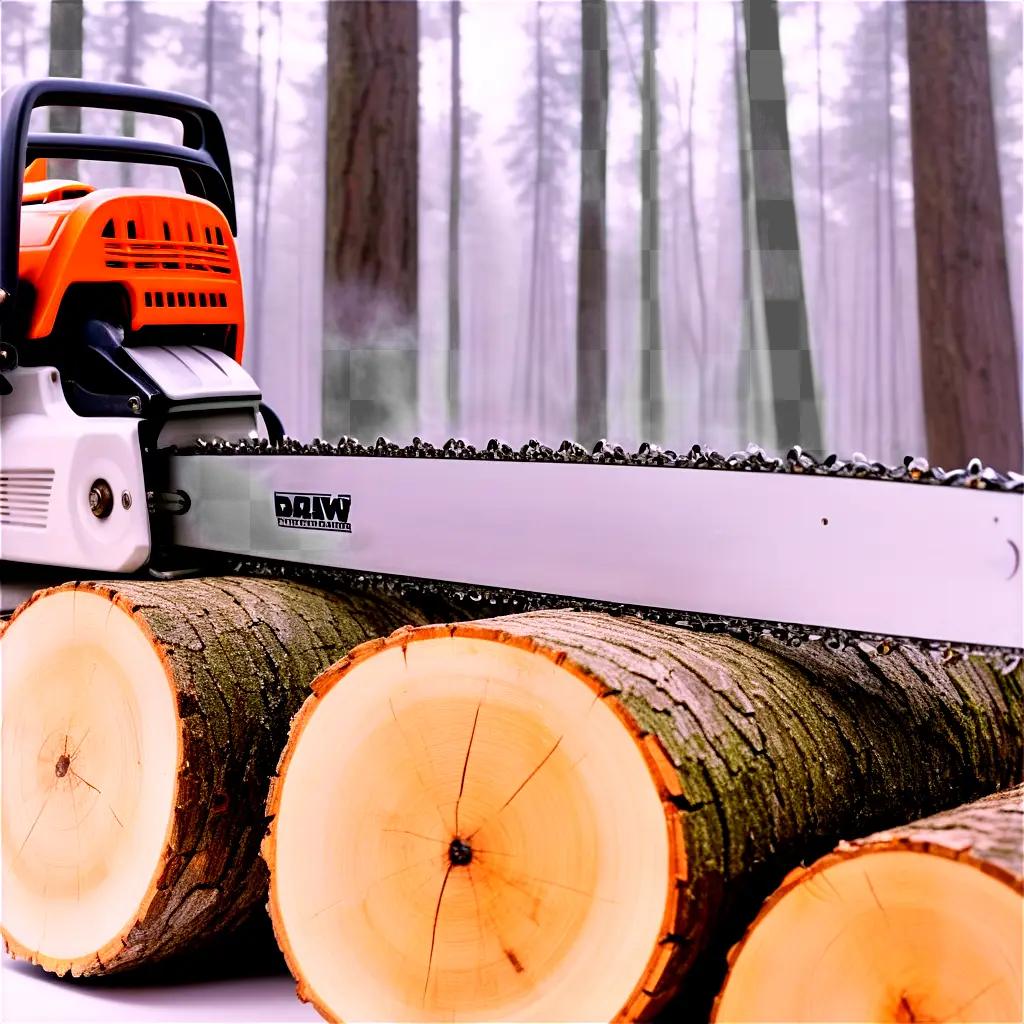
{"points": [[202, 158]]}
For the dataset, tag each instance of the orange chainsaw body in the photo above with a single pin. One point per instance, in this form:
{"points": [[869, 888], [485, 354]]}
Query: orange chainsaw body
{"points": [[172, 255]]}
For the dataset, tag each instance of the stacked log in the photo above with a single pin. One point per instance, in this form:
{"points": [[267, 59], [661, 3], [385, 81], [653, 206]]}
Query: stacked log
{"points": [[555, 815], [141, 723], [919, 923]]}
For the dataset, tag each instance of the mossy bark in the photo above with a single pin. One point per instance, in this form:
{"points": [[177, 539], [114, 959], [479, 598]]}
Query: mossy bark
{"points": [[988, 833], [781, 752], [240, 655]]}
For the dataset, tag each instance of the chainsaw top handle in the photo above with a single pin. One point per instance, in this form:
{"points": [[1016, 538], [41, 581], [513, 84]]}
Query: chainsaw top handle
{"points": [[202, 158]]}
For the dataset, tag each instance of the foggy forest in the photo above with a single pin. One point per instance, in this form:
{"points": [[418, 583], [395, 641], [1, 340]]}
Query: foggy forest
{"points": [[516, 219]]}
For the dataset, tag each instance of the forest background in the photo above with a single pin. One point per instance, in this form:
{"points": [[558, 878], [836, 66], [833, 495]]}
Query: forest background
{"points": [[572, 220]]}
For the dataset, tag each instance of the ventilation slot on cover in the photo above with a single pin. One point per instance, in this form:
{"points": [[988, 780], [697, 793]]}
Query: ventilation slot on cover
{"points": [[25, 497], [160, 245], [182, 299]]}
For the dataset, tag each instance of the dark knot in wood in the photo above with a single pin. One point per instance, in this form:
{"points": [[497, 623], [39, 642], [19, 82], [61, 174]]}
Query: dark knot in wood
{"points": [[459, 853]]}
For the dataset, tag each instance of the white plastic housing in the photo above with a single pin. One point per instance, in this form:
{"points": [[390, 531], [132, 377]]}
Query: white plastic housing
{"points": [[49, 459]]}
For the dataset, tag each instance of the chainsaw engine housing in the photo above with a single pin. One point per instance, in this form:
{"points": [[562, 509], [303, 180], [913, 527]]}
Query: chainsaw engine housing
{"points": [[121, 326]]}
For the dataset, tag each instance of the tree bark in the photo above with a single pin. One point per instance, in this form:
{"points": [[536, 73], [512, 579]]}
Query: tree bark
{"points": [[752, 758], [917, 893], [235, 657], [65, 62], [652, 358], [454, 216], [776, 244], [592, 289], [969, 364], [370, 286]]}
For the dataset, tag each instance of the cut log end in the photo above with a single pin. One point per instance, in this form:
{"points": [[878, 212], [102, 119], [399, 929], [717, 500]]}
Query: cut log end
{"points": [[90, 755], [141, 722], [909, 926], [465, 829]]}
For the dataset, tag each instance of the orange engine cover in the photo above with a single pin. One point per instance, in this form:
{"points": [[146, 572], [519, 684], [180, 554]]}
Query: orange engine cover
{"points": [[173, 254]]}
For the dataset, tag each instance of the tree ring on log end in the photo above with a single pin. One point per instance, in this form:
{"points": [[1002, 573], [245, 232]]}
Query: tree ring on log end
{"points": [[882, 934], [90, 763], [466, 828]]}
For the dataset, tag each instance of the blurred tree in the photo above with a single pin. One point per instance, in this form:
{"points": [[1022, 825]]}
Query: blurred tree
{"points": [[895, 334], [370, 280], [454, 210], [969, 361], [867, 145], [132, 14], [19, 36], [591, 294], [652, 368], [65, 62], [1006, 35], [820, 140], [544, 137], [258, 159], [263, 236], [777, 383], [700, 335]]}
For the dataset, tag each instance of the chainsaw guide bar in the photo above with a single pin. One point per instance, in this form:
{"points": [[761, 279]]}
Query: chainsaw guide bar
{"points": [[874, 568]]}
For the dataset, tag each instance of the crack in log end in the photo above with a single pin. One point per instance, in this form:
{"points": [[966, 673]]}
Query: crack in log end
{"points": [[63, 764], [904, 1011], [514, 961]]}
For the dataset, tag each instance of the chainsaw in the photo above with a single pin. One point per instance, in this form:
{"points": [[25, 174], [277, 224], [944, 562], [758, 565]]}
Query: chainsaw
{"points": [[133, 440]]}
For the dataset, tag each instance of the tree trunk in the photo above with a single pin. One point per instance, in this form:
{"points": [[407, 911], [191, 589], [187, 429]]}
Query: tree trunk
{"points": [[275, 118], [370, 285], [969, 365], [698, 260], [652, 358], [895, 304], [753, 398], [255, 303], [142, 722], [592, 290], [882, 440], [776, 244], [65, 62], [922, 923], [820, 139], [131, 17], [454, 215], [550, 816], [531, 351]]}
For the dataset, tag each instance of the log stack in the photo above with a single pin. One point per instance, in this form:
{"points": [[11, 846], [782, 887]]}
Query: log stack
{"points": [[141, 723], [555, 815], [919, 923]]}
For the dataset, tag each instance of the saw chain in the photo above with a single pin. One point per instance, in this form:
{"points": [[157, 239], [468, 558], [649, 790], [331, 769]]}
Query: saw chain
{"points": [[479, 601]]}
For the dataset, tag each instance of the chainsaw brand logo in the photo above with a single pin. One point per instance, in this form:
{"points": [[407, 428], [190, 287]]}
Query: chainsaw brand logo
{"points": [[299, 510]]}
